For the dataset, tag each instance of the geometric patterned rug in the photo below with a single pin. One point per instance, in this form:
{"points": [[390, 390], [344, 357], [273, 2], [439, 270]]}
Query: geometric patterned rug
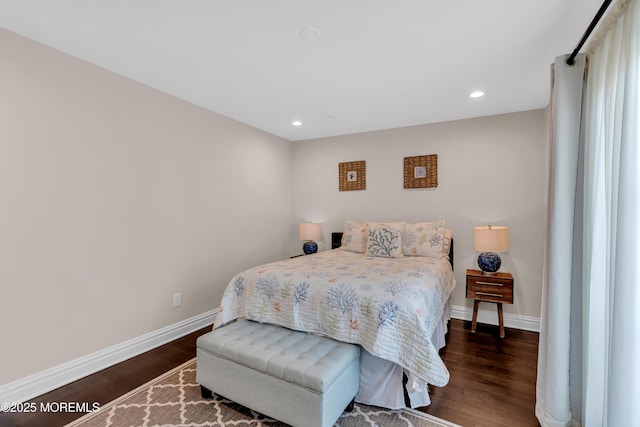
{"points": [[174, 399]]}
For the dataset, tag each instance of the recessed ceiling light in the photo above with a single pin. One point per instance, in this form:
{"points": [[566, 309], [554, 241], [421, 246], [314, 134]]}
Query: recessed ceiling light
{"points": [[309, 33], [296, 123], [476, 94]]}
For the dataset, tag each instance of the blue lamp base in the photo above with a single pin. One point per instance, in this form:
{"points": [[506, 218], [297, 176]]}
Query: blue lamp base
{"points": [[310, 247], [489, 262]]}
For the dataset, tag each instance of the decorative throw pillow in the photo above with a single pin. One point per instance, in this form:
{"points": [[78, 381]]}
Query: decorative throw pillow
{"points": [[423, 239], [354, 237], [446, 245], [385, 239]]}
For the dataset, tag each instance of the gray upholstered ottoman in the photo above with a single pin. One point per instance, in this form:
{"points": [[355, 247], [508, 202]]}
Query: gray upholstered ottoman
{"points": [[298, 378]]}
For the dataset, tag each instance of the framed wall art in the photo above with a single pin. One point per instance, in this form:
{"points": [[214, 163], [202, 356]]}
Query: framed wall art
{"points": [[421, 171], [352, 176]]}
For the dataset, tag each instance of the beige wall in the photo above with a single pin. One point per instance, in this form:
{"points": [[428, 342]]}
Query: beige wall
{"points": [[114, 196], [491, 171]]}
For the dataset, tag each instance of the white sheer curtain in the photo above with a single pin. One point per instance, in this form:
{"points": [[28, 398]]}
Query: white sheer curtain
{"points": [[589, 354], [553, 384]]}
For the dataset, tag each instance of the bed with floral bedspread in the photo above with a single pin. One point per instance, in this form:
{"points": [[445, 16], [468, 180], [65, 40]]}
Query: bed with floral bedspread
{"points": [[389, 306]]}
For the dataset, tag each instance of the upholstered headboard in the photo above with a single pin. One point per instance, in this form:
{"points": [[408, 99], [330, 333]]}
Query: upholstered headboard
{"points": [[336, 242]]}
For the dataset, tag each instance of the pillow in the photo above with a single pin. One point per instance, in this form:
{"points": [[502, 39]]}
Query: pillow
{"points": [[446, 245], [385, 239], [354, 237], [423, 239]]}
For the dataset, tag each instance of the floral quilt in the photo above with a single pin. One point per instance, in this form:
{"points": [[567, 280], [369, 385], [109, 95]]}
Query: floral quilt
{"points": [[389, 306]]}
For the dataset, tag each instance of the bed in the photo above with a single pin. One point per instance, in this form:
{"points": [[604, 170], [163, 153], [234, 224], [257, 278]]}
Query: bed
{"points": [[395, 307]]}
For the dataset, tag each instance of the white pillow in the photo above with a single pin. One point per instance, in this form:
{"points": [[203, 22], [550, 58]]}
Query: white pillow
{"points": [[354, 237], [385, 239], [423, 239], [446, 245]]}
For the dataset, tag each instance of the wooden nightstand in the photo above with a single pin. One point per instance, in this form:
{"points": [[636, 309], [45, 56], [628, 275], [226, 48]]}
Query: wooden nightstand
{"points": [[496, 288]]}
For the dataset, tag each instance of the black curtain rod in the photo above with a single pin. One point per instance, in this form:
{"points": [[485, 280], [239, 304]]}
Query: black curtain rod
{"points": [[585, 36]]}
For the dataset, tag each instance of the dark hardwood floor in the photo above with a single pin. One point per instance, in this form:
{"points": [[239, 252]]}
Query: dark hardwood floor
{"points": [[492, 380]]}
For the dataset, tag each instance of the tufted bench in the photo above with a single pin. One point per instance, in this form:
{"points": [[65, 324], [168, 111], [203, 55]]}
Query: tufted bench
{"points": [[295, 377]]}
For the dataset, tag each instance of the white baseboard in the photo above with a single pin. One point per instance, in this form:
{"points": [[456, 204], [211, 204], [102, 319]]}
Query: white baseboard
{"points": [[490, 317], [58, 376]]}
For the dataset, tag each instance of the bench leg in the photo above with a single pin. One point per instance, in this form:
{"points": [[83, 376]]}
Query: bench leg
{"points": [[351, 405], [206, 393]]}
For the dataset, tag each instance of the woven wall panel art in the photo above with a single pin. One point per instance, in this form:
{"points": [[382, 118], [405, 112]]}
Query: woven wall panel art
{"points": [[352, 176], [421, 171]]}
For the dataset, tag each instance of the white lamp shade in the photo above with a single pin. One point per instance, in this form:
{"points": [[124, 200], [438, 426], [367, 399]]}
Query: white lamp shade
{"points": [[310, 231], [491, 238]]}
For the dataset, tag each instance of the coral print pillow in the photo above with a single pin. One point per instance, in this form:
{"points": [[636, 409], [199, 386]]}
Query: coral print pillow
{"points": [[354, 237], [423, 239], [385, 239]]}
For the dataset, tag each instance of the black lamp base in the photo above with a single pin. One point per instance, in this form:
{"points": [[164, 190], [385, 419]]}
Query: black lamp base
{"points": [[310, 247], [489, 262]]}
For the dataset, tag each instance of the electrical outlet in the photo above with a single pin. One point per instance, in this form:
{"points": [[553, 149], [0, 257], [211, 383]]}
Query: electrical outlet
{"points": [[177, 300]]}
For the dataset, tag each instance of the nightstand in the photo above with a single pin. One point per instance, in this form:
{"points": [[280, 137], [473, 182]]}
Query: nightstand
{"points": [[496, 288]]}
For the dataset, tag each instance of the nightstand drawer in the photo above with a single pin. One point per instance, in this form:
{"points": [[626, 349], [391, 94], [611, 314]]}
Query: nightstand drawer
{"points": [[490, 288]]}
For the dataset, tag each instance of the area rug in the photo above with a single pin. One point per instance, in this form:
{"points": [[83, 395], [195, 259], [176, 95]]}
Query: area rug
{"points": [[174, 399]]}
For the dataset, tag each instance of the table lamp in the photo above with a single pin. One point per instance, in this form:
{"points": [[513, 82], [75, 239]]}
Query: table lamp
{"points": [[489, 239], [310, 232]]}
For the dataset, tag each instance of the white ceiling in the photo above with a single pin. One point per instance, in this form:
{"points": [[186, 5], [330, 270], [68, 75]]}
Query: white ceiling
{"points": [[376, 64]]}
